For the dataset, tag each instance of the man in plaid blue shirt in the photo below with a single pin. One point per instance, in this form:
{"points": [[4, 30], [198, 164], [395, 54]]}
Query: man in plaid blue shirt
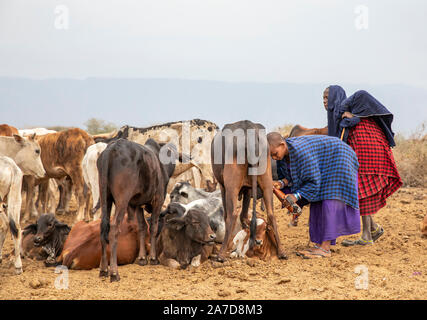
{"points": [[323, 170]]}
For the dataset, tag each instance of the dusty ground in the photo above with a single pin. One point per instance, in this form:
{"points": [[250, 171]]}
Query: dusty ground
{"points": [[396, 265]]}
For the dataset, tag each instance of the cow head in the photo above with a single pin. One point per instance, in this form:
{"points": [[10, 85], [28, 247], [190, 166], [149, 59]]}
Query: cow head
{"points": [[196, 224], [44, 229], [28, 157], [182, 193]]}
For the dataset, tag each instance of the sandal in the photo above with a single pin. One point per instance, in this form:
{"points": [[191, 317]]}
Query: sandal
{"points": [[377, 233], [360, 242]]}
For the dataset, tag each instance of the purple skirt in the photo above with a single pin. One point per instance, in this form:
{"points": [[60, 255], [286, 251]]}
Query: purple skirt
{"points": [[330, 219]]}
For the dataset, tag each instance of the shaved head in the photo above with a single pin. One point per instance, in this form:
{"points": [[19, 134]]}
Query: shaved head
{"points": [[278, 147], [274, 139]]}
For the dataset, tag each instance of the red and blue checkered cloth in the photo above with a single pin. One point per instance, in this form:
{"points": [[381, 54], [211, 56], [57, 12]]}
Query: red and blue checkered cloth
{"points": [[378, 175], [323, 168]]}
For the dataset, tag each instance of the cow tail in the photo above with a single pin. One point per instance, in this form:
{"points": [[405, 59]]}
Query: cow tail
{"points": [[102, 164], [253, 220]]}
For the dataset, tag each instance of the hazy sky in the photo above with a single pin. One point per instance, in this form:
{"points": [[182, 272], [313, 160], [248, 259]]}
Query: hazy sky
{"points": [[304, 41]]}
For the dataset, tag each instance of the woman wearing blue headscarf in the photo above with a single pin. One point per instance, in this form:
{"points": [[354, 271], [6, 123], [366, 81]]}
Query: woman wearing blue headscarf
{"points": [[365, 124]]}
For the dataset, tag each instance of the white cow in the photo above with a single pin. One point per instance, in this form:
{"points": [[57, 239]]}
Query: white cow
{"points": [[10, 188], [37, 131], [90, 173], [25, 152]]}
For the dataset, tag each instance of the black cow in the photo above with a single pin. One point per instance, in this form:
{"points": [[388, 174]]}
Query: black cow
{"points": [[131, 175], [185, 239], [45, 239], [234, 178]]}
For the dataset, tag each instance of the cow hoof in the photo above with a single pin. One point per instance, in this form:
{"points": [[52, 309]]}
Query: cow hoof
{"points": [[282, 256], [103, 274], [220, 259], [18, 270], [154, 261], [141, 261], [114, 278]]}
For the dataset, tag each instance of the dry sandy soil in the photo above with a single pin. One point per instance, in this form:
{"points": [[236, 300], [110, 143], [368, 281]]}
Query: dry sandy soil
{"points": [[396, 265]]}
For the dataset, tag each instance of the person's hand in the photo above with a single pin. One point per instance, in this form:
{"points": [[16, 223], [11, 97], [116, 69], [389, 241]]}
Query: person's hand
{"points": [[292, 197], [277, 185], [347, 115]]}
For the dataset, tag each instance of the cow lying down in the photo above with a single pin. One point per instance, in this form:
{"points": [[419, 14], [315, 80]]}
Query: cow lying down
{"points": [[44, 239], [185, 239], [82, 249], [265, 246]]}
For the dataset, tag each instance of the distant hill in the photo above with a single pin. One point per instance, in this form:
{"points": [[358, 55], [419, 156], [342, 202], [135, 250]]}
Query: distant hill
{"points": [[143, 102]]}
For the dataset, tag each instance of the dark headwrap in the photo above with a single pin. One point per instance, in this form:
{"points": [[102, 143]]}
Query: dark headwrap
{"points": [[336, 97], [362, 104]]}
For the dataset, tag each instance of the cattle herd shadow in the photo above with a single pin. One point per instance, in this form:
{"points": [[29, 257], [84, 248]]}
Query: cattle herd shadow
{"points": [[395, 267]]}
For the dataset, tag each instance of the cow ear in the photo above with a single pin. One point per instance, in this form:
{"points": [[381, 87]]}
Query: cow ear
{"points": [[60, 225], [176, 223], [18, 138], [30, 229], [32, 137]]}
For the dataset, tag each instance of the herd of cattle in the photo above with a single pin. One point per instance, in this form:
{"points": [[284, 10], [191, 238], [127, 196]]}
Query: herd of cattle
{"points": [[115, 177]]}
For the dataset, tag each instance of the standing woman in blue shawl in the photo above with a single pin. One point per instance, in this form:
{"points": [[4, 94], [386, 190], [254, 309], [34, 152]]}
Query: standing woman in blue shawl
{"points": [[365, 124]]}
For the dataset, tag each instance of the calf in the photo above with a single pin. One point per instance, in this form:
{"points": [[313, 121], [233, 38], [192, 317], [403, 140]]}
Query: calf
{"points": [[265, 243], [211, 207], [10, 188], [90, 174], [184, 192], [82, 249], [185, 240], [237, 175], [132, 176], [45, 239]]}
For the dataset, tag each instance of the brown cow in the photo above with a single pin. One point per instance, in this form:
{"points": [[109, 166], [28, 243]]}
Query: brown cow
{"points": [[239, 174], [62, 154], [302, 131], [265, 244], [7, 130], [82, 249]]}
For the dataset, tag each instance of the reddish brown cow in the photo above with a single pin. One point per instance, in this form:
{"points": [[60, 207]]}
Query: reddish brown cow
{"points": [[239, 177], [82, 249], [265, 243], [62, 154], [302, 131], [7, 130]]}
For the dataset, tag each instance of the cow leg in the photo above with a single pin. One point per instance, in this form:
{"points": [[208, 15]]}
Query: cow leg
{"points": [[245, 208], [154, 225], [223, 201], [2, 238], [142, 231], [103, 266], [233, 178], [88, 204], [43, 195], [17, 245], [114, 233], [78, 185], [266, 184], [65, 188], [30, 182]]}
